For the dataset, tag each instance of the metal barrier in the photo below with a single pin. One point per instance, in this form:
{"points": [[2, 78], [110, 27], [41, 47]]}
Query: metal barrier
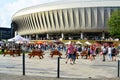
{"points": [[23, 63], [24, 50], [58, 68], [118, 72], [58, 65]]}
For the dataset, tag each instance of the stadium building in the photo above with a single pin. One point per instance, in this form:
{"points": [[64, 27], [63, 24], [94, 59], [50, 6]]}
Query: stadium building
{"points": [[67, 19]]}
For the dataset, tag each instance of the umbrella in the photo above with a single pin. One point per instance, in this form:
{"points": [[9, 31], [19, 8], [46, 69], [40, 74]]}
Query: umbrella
{"points": [[68, 42], [39, 42], [88, 43], [78, 42], [58, 42], [97, 44]]}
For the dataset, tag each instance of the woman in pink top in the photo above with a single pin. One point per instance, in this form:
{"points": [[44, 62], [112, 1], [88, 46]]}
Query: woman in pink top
{"points": [[70, 51]]}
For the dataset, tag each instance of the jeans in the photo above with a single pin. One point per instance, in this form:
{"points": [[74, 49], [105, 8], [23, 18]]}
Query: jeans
{"points": [[110, 56]]}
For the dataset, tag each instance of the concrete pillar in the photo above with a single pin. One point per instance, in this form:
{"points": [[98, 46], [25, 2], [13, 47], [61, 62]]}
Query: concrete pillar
{"points": [[62, 35], [16, 33], [81, 35], [25, 36], [29, 36], [47, 36], [36, 37], [103, 35]]}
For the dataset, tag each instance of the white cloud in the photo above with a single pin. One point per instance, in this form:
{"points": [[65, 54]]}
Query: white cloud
{"points": [[10, 8]]}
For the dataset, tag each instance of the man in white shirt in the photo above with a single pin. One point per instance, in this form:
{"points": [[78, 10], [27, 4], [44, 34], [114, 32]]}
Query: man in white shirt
{"points": [[110, 53]]}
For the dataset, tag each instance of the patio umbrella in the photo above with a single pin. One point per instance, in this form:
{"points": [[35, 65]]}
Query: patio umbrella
{"points": [[78, 42], [58, 42], [97, 44], [88, 43], [68, 42]]}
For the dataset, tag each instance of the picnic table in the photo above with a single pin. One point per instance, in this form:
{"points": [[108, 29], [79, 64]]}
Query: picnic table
{"points": [[12, 52], [36, 52], [84, 53], [55, 52]]}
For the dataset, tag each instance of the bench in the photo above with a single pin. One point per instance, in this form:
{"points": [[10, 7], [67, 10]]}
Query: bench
{"points": [[55, 52], [38, 53], [12, 52]]}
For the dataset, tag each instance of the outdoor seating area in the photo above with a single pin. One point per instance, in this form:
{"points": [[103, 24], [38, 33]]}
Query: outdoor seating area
{"points": [[56, 48]]}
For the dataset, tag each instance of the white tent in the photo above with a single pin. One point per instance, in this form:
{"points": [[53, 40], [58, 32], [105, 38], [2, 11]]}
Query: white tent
{"points": [[19, 39], [11, 39], [78, 42]]}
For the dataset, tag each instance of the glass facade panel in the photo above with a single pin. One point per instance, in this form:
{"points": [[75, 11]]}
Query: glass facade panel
{"points": [[5, 33]]}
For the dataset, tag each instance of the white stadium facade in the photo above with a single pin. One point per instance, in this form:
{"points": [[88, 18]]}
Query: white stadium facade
{"points": [[67, 19]]}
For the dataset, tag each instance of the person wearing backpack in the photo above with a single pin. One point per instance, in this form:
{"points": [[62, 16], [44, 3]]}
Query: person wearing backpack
{"points": [[114, 53], [104, 51], [110, 53]]}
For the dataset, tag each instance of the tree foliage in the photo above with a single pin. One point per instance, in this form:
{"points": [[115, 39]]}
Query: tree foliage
{"points": [[114, 24]]}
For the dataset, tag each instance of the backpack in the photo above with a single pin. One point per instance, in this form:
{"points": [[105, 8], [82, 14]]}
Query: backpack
{"points": [[113, 50], [105, 51]]}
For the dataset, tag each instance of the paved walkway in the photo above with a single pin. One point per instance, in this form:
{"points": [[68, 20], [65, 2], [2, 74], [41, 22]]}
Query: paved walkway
{"points": [[20, 77], [47, 67]]}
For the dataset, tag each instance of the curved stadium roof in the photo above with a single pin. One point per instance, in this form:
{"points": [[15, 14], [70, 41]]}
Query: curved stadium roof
{"points": [[64, 4], [68, 16]]}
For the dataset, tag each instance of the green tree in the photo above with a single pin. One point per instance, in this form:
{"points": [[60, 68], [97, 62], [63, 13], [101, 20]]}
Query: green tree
{"points": [[114, 24]]}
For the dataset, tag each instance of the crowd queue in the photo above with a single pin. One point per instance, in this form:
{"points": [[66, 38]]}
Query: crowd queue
{"points": [[106, 50]]}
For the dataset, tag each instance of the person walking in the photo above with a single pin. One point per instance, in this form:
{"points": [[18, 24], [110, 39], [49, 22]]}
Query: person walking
{"points": [[74, 55], [110, 53], [104, 51], [114, 53], [70, 51]]}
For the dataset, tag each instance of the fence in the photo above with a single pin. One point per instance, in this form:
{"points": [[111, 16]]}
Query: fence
{"points": [[118, 72]]}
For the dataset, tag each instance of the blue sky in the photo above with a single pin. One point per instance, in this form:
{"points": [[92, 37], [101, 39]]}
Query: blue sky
{"points": [[9, 7]]}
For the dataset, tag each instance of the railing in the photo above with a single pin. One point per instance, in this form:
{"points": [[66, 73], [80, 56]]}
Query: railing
{"points": [[58, 65], [118, 73]]}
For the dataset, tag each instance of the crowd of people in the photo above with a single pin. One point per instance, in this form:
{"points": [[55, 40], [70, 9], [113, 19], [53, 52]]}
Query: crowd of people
{"points": [[72, 48], [110, 51]]}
